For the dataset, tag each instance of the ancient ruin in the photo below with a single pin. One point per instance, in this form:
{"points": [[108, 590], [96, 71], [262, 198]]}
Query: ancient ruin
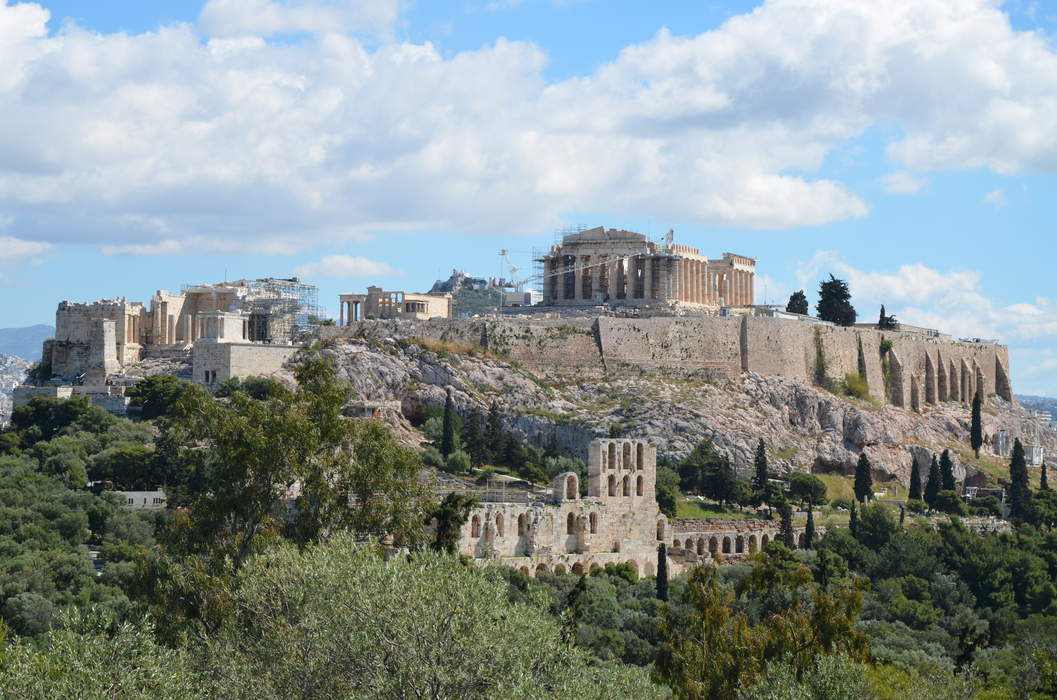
{"points": [[600, 266], [617, 522], [378, 303]]}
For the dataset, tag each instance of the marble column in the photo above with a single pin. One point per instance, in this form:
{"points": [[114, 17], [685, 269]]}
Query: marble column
{"points": [[578, 278], [647, 278]]}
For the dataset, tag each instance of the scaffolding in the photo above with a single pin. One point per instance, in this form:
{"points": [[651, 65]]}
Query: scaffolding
{"points": [[282, 310]]}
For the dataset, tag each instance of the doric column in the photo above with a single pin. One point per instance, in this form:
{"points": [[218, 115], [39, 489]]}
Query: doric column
{"points": [[578, 278], [647, 278], [699, 281], [614, 277], [750, 279]]}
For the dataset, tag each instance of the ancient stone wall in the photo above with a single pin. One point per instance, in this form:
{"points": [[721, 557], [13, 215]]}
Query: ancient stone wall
{"points": [[226, 360]]}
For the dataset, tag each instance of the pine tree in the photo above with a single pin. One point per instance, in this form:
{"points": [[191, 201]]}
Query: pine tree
{"points": [[759, 480], [797, 303], [853, 520], [915, 482], [976, 432], [863, 479], [886, 322], [1019, 493], [662, 572], [947, 472], [447, 438], [1044, 484], [834, 302], [809, 529], [933, 486], [785, 530]]}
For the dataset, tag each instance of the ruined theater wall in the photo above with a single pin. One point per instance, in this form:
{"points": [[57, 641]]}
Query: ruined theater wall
{"points": [[238, 359], [671, 344]]}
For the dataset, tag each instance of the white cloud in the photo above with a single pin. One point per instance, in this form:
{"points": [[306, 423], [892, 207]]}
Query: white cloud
{"points": [[271, 17], [154, 143], [15, 253], [902, 182], [344, 266], [996, 198]]}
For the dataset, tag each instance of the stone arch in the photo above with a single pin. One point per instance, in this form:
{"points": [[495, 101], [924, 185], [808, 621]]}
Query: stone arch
{"points": [[524, 570], [1002, 386], [700, 545], [612, 455], [572, 489], [578, 569], [676, 544], [801, 540], [499, 524], [753, 546], [559, 570], [648, 569], [475, 526], [739, 545], [713, 546], [592, 521], [638, 485], [541, 568], [522, 525], [930, 380], [625, 459], [612, 485], [726, 544], [570, 524], [942, 388], [634, 565], [595, 566], [764, 541], [627, 485], [640, 450], [661, 530]]}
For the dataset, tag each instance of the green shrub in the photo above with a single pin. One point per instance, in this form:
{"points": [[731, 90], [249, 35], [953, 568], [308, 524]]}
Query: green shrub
{"points": [[855, 385], [916, 506]]}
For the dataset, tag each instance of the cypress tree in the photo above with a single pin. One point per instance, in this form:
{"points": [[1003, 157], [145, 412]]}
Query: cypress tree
{"points": [[493, 433], [1019, 494], [1044, 484], [759, 480], [863, 479], [809, 529], [932, 487], [902, 515], [947, 472], [785, 530], [853, 521], [472, 439], [662, 572], [976, 432], [915, 482], [447, 438]]}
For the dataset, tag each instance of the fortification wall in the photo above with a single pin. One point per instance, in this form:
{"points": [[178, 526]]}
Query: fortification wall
{"points": [[919, 368], [241, 360]]}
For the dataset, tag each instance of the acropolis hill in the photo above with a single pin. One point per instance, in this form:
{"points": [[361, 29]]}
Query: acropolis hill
{"points": [[655, 337]]}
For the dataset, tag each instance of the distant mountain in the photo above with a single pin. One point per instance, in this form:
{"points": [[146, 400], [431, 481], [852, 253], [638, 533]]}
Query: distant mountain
{"points": [[1038, 403], [24, 342]]}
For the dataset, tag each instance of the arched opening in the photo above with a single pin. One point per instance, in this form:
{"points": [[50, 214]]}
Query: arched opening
{"points": [[739, 545], [475, 526], [713, 546], [499, 524], [700, 546], [648, 569], [676, 544], [752, 544], [578, 569], [626, 458], [639, 455], [638, 485], [634, 565], [595, 567], [522, 525], [660, 530], [612, 455], [570, 524], [592, 519], [541, 569], [627, 485], [524, 570], [764, 541], [559, 569], [801, 540], [612, 485], [726, 545], [571, 489]]}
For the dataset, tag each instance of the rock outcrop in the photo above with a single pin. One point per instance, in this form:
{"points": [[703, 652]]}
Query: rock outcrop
{"points": [[805, 429]]}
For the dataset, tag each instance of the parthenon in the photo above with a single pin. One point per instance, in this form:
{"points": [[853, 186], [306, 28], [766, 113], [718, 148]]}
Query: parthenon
{"points": [[615, 266]]}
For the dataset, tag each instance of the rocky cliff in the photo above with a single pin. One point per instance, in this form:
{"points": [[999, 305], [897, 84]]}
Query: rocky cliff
{"points": [[12, 372], [805, 429]]}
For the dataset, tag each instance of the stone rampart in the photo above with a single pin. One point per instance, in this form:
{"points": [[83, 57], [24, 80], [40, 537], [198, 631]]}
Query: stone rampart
{"points": [[914, 370], [226, 360]]}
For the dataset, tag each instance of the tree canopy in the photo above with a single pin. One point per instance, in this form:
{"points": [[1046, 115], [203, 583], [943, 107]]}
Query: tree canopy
{"points": [[834, 302]]}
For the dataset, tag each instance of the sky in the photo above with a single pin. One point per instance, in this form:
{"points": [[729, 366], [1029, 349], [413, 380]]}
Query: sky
{"points": [[908, 147]]}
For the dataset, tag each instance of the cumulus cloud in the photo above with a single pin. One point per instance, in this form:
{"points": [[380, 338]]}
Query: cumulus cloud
{"points": [[344, 266], [902, 182], [150, 143], [996, 198]]}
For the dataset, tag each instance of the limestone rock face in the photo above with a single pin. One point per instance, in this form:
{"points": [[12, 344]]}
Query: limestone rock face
{"points": [[12, 372], [805, 429]]}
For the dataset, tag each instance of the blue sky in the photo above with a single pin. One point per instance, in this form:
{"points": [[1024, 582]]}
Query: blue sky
{"points": [[908, 147]]}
